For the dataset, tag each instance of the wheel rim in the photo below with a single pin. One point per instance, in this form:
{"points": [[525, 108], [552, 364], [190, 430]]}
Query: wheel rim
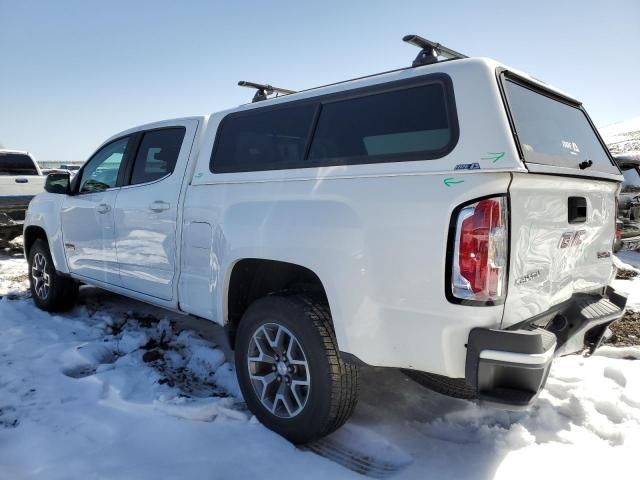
{"points": [[41, 279], [278, 370]]}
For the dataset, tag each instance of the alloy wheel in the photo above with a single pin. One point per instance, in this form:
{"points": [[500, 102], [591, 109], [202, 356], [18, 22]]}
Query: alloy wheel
{"points": [[41, 279], [279, 370]]}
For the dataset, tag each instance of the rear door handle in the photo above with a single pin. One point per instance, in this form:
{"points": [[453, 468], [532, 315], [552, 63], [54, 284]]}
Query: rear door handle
{"points": [[103, 208], [21, 180], [159, 206]]}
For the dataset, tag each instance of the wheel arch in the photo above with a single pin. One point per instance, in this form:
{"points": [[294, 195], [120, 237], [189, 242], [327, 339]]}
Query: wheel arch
{"points": [[251, 278], [31, 234], [42, 220]]}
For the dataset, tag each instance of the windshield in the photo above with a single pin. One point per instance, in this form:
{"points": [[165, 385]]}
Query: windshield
{"points": [[555, 133], [631, 181], [17, 164]]}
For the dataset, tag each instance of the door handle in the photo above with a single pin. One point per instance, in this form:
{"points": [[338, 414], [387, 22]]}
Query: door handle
{"points": [[103, 208], [159, 206], [21, 180], [577, 209]]}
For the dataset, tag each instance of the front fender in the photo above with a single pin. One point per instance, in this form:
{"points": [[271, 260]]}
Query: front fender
{"points": [[44, 212]]}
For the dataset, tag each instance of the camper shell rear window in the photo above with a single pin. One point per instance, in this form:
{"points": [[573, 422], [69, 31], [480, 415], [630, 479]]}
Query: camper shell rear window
{"points": [[553, 131], [412, 119]]}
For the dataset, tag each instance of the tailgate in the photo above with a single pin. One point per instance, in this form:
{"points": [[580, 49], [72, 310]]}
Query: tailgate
{"points": [[21, 185], [562, 230]]}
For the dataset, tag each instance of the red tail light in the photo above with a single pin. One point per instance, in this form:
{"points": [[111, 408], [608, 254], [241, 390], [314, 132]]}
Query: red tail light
{"points": [[480, 251]]}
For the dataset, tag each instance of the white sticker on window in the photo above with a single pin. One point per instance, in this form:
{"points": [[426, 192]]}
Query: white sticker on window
{"points": [[571, 146]]}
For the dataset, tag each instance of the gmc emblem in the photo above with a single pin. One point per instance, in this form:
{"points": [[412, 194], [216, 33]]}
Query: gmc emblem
{"points": [[571, 239]]}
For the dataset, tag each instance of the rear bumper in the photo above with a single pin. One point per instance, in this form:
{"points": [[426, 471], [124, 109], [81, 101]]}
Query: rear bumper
{"points": [[510, 367], [13, 207], [8, 202], [12, 212]]}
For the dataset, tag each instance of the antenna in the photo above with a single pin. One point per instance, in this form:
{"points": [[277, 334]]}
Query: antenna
{"points": [[263, 91], [430, 51]]}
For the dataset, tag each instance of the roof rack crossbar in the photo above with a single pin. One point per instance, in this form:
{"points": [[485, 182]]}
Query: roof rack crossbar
{"points": [[430, 51], [263, 91]]}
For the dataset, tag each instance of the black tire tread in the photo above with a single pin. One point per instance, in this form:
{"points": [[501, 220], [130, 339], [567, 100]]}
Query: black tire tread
{"points": [[452, 387], [336, 400], [345, 377]]}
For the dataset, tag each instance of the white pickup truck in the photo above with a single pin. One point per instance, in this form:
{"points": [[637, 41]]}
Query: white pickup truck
{"points": [[454, 219], [20, 180]]}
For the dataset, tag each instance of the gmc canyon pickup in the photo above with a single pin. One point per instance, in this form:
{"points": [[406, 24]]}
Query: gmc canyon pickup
{"points": [[454, 219]]}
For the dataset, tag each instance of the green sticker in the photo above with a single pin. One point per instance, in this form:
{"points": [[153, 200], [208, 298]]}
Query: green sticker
{"points": [[494, 156], [199, 174], [451, 181]]}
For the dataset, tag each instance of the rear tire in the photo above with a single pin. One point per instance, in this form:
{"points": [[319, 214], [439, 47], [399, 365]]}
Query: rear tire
{"points": [[289, 368], [51, 291]]}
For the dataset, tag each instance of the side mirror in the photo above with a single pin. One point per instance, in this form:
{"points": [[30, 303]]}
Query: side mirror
{"points": [[58, 183]]}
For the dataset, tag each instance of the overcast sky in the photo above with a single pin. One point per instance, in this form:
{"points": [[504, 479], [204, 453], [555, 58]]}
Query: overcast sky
{"points": [[72, 73]]}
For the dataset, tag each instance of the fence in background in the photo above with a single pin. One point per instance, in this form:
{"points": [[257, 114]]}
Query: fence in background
{"points": [[56, 163]]}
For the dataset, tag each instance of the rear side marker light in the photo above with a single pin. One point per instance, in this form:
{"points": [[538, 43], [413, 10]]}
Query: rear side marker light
{"points": [[479, 259]]}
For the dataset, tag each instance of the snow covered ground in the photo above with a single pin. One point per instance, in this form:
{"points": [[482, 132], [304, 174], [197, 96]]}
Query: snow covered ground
{"points": [[623, 136], [116, 389]]}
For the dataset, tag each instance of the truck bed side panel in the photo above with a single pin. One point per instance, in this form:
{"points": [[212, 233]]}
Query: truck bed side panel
{"points": [[380, 257]]}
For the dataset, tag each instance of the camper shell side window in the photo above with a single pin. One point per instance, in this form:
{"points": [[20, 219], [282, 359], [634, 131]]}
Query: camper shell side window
{"points": [[407, 120]]}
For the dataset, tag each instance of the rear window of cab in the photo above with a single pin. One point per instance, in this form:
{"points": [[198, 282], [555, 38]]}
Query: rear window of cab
{"points": [[398, 121], [17, 164]]}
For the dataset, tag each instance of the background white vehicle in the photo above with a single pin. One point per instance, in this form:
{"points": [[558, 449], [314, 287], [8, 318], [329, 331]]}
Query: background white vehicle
{"points": [[20, 180], [454, 219]]}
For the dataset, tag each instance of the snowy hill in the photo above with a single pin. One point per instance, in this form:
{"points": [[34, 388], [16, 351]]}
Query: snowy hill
{"points": [[623, 136]]}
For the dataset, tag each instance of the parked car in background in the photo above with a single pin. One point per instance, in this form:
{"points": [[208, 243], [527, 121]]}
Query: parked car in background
{"points": [[61, 169], [47, 171], [628, 217], [20, 180], [70, 168], [454, 219]]}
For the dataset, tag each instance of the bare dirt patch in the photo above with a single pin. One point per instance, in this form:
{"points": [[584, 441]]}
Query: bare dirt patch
{"points": [[622, 274], [626, 331]]}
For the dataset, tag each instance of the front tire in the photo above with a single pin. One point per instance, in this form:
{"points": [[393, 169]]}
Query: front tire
{"points": [[51, 291], [289, 368]]}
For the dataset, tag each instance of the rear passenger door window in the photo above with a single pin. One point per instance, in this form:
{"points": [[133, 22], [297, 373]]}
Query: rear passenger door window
{"points": [[408, 122], [157, 154]]}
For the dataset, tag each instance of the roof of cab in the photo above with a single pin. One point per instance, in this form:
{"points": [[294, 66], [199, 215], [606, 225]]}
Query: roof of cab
{"points": [[7, 150], [150, 126]]}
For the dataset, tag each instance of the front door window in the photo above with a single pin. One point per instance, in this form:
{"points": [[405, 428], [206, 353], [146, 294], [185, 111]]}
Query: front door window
{"points": [[101, 172]]}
